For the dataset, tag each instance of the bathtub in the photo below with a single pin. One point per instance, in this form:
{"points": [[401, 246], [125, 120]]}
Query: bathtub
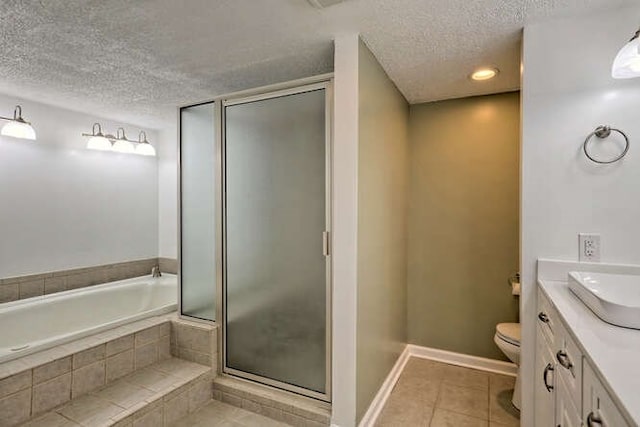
{"points": [[35, 324]]}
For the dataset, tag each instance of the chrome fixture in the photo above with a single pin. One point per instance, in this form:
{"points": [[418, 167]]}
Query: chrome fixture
{"points": [[118, 142], [155, 271], [603, 132], [17, 126], [627, 62]]}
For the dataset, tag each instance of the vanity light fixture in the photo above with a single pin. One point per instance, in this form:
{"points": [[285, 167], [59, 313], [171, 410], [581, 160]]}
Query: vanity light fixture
{"points": [[17, 126], [122, 144], [144, 148], [482, 74], [97, 140], [627, 62], [118, 142]]}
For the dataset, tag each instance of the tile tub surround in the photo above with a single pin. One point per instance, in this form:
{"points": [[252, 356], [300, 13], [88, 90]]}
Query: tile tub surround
{"points": [[158, 395], [168, 265], [35, 384], [195, 341], [436, 394], [278, 405], [16, 288]]}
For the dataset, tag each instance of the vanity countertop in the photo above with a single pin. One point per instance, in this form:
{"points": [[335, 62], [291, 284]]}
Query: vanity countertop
{"points": [[613, 351]]}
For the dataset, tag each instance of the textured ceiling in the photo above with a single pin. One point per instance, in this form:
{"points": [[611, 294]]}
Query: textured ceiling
{"points": [[135, 60]]}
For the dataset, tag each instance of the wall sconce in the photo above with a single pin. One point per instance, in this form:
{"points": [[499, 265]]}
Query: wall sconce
{"points": [[118, 143], [17, 126], [627, 62]]}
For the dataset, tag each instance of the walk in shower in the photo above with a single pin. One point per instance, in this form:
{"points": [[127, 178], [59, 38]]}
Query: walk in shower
{"points": [[255, 168]]}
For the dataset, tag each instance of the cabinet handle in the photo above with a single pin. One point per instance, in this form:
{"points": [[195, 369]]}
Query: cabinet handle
{"points": [[563, 359], [543, 317], [548, 368], [592, 420]]}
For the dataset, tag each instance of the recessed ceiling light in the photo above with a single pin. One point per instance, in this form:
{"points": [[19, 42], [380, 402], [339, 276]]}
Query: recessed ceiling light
{"points": [[484, 74]]}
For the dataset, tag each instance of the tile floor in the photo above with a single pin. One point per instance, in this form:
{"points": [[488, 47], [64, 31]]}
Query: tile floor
{"points": [[218, 414], [432, 394]]}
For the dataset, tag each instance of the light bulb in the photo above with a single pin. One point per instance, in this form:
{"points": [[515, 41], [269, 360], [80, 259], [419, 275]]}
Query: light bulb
{"points": [[99, 143], [484, 74], [19, 129], [627, 62], [145, 149], [122, 146]]}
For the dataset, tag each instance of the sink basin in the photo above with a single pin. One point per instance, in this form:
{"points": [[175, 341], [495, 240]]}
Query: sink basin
{"points": [[615, 298]]}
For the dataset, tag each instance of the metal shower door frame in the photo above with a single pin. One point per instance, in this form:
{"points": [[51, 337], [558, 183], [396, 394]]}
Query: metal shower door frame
{"points": [[308, 85]]}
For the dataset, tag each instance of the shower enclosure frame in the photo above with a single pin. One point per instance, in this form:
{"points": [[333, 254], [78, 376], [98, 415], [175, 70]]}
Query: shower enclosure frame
{"points": [[321, 82]]}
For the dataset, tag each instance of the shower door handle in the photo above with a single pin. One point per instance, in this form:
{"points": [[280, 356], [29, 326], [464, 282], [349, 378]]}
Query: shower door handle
{"points": [[325, 243]]}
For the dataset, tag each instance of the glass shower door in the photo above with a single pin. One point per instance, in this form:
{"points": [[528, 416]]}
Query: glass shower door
{"points": [[197, 211], [275, 218]]}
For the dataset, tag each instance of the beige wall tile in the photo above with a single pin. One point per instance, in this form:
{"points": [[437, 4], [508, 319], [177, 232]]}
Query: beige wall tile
{"points": [[164, 348], [199, 394], [88, 378], [52, 393], [119, 365], [194, 338], [90, 411], [52, 419], [146, 355], [232, 399], [88, 356], [195, 356], [54, 284], [152, 418], [9, 292], [14, 383], [80, 280], [119, 345], [176, 408], [147, 335], [31, 288], [164, 329], [168, 265], [15, 408], [51, 370]]}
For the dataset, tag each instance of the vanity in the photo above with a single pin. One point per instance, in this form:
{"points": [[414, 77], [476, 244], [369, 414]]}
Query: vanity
{"points": [[587, 371]]}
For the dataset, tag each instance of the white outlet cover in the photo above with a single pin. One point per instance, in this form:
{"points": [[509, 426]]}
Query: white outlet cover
{"points": [[589, 247]]}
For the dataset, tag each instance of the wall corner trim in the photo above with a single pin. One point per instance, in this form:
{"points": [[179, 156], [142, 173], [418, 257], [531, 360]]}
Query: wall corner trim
{"points": [[378, 402], [458, 359]]}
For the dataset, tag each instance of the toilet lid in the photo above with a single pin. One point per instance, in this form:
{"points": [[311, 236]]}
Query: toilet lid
{"points": [[510, 332]]}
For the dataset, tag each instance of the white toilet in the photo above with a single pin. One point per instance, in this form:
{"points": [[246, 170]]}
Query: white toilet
{"points": [[507, 338]]}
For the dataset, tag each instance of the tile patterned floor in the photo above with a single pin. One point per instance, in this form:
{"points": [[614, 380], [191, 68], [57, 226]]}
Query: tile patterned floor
{"points": [[218, 414], [432, 394]]}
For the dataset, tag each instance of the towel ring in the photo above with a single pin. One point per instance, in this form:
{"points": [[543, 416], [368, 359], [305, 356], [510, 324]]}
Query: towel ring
{"points": [[603, 132]]}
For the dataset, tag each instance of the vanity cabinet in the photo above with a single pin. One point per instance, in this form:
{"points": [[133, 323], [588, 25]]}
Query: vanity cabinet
{"points": [[567, 391]]}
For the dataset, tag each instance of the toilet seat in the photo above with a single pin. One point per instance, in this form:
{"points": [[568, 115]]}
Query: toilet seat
{"points": [[509, 332]]}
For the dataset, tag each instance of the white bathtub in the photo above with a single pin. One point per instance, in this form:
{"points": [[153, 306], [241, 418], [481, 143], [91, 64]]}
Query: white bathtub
{"points": [[35, 324]]}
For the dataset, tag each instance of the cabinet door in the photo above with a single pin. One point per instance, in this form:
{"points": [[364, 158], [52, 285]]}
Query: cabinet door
{"points": [[598, 409], [566, 413], [544, 382]]}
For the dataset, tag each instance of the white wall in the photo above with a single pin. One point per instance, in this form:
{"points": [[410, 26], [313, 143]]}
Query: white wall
{"points": [[566, 92], [63, 206], [345, 230]]}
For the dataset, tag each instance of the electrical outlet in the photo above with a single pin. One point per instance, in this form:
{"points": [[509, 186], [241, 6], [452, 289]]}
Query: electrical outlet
{"points": [[589, 247]]}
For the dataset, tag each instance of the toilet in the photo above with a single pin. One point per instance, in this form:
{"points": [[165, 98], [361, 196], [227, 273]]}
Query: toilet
{"points": [[507, 338]]}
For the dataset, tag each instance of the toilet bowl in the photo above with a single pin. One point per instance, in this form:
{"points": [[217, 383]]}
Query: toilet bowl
{"points": [[507, 338]]}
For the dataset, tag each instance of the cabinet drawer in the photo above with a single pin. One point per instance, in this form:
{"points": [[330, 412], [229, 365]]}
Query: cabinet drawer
{"points": [[547, 318], [598, 404], [569, 363]]}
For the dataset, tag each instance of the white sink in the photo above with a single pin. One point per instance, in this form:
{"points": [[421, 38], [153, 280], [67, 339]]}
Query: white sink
{"points": [[615, 298]]}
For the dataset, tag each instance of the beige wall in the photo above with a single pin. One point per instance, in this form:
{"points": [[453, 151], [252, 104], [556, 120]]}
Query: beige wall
{"points": [[463, 222], [382, 216]]}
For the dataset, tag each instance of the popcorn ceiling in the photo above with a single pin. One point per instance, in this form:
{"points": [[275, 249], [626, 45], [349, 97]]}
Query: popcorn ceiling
{"points": [[136, 60]]}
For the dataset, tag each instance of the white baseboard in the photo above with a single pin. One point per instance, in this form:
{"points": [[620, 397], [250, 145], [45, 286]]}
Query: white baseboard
{"points": [[465, 360], [378, 402], [459, 359]]}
